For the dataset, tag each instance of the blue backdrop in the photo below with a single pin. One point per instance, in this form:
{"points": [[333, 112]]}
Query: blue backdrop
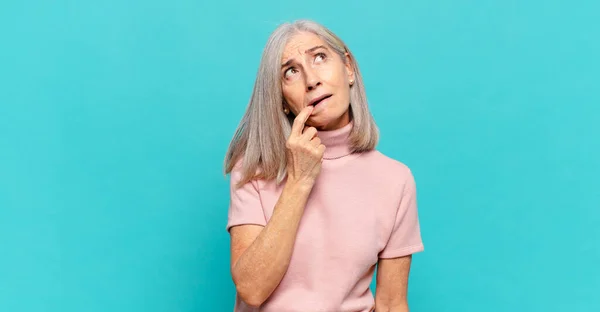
{"points": [[115, 117]]}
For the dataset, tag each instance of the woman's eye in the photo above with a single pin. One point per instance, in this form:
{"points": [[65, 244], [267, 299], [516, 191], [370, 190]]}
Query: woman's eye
{"points": [[289, 72], [320, 57]]}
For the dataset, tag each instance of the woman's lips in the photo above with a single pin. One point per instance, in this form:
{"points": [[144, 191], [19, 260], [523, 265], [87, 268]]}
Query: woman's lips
{"points": [[320, 100], [319, 106]]}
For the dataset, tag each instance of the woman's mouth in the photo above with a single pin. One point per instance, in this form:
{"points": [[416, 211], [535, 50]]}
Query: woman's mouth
{"points": [[319, 99]]}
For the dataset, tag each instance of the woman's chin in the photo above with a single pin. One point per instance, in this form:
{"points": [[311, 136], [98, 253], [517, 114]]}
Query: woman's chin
{"points": [[325, 124]]}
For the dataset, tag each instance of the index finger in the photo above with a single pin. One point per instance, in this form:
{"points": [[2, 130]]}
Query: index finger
{"points": [[301, 119]]}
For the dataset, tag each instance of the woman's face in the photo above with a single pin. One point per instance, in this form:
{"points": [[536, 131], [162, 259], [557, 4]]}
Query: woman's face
{"points": [[314, 74]]}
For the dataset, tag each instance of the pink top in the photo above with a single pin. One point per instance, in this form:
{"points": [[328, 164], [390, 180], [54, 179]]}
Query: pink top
{"points": [[362, 208]]}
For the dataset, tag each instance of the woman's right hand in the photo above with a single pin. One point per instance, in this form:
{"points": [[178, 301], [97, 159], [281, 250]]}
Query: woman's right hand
{"points": [[304, 150]]}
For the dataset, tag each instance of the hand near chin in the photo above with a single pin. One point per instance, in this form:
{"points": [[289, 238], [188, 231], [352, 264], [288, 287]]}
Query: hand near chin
{"points": [[304, 150]]}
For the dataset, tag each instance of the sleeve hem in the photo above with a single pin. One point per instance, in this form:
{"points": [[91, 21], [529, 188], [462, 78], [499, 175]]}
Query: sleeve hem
{"points": [[402, 251], [230, 225]]}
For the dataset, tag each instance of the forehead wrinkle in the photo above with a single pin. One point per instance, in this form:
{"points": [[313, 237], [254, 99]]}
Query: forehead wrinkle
{"points": [[289, 56], [296, 45]]}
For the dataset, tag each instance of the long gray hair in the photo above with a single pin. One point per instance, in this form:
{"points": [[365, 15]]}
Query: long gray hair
{"points": [[259, 140]]}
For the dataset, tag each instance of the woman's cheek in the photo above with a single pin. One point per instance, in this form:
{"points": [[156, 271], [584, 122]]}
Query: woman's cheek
{"points": [[325, 73], [332, 75]]}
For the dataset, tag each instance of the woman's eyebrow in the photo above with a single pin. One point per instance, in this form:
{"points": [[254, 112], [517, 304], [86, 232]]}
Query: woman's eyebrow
{"points": [[307, 51], [287, 63], [315, 48]]}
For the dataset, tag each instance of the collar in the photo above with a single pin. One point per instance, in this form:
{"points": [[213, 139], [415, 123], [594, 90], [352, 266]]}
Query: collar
{"points": [[337, 143]]}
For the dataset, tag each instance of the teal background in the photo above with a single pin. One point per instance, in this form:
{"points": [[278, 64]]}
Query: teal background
{"points": [[115, 117]]}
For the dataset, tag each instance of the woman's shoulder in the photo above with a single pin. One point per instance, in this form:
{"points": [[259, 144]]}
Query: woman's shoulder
{"points": [[388, 165], [239, 172]]}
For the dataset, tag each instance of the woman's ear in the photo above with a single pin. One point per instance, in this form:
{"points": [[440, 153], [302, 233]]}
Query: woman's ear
{"points": [[349, 67]]}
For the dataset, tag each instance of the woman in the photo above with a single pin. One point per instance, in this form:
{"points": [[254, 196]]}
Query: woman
{"points": [[314, 207]]}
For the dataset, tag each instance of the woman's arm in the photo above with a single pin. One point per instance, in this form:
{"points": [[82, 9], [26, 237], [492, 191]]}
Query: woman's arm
{"points": [[260, 256], [392, 284]]}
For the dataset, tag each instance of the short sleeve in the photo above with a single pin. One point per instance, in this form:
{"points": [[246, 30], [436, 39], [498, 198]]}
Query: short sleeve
{"points": [[244, 202], [405, 238]]}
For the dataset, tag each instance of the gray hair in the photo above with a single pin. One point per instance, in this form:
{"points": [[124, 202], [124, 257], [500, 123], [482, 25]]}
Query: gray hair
{"points": [[258, 144]]}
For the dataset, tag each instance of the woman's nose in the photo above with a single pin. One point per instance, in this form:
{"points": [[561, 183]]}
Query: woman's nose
{"points": [[312, 80]]}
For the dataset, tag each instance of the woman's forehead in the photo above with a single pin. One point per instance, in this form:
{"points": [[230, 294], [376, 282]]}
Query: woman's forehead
{"points": [[300, 44]]}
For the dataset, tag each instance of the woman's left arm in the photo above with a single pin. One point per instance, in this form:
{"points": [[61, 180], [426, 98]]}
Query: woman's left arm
{"points": [[392, 284]]}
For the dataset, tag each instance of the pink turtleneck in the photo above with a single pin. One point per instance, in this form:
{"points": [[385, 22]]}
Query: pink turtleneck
{"points": [[362, 208]]}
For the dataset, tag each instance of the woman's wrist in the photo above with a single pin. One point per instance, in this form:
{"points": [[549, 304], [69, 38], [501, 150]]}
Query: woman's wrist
{"points": [[300, 186]]}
